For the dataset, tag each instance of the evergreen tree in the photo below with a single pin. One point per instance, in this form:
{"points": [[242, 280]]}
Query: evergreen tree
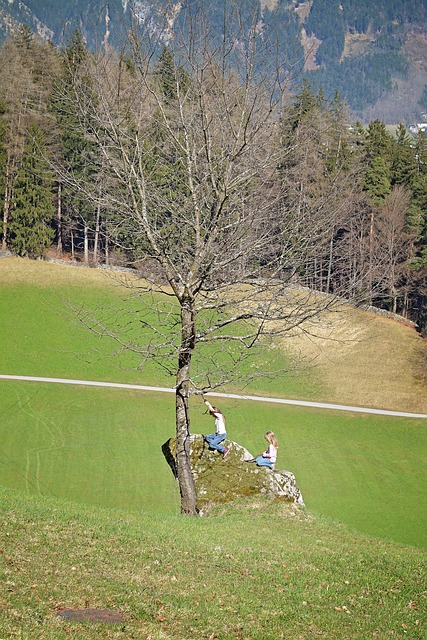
{"points": [[27, 68], [403, 165], [378, 149], [30, 226], [77, 153], [339, 150], [166, 74], [418, 213], [378, 141], [303, 103], [377, 180], [24, 37]]}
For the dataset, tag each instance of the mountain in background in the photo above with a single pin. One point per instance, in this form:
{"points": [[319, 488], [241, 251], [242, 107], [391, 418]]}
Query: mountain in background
{"points": [[373, 53]]}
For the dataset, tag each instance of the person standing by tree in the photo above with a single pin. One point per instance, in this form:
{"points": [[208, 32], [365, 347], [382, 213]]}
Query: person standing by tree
{"points": [[214, 439]]}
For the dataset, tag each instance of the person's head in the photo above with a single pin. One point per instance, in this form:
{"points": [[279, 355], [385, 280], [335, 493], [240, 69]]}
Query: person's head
{"points": [[216, 412], [271, 439]]}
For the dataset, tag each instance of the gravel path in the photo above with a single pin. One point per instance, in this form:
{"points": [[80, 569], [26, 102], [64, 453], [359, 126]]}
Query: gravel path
{"points": [[299, 403]]}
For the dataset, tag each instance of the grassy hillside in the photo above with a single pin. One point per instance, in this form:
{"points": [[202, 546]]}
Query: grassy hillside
{"points": [[89, 508], [259, 571], [351, 357], [367, 359], [105, 445]]}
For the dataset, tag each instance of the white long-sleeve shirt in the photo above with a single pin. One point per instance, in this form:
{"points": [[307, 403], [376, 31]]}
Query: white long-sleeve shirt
{"points": [[219, 419], [219, 423]]}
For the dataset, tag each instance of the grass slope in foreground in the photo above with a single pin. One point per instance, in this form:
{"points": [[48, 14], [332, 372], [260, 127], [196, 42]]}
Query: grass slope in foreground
{"points": [[258, 570]]}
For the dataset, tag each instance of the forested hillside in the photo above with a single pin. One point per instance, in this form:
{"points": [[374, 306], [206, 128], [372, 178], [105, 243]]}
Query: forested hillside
{"points": [[373, 53], [353, 199]]}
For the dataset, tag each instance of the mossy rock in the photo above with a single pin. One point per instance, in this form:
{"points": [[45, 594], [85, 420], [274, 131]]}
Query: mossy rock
{"points": [[219, 480]]}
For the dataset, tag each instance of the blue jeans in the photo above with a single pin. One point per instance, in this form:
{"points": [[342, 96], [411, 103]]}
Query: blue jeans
{"points": [[214, 439], [264, 462]]}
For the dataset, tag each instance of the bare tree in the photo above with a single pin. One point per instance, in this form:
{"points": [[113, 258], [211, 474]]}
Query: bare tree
{"points": [[189, 160], [392, 244]]}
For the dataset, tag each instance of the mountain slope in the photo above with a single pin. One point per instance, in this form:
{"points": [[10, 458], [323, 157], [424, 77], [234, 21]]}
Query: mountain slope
{"points": [[374, 54]]}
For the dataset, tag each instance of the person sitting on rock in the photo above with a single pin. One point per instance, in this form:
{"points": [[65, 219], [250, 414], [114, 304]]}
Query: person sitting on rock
{"points": [[214, 439], [268, 458]]}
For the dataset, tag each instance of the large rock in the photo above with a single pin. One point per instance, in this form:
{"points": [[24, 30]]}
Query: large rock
{"points": [[219, 479]]}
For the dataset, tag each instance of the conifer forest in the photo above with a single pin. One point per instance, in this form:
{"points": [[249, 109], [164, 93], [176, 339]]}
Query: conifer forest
{"points": [[343, 203]]}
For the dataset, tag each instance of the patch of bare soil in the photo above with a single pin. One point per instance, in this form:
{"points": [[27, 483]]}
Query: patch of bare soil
{"points": [[356, 43], [303, 9], [311, 45]]}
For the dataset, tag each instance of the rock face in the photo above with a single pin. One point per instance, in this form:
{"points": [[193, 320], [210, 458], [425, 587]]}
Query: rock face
{"points": [[220, 480]]}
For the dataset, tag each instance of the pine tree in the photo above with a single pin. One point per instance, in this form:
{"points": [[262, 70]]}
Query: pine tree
{"points": [[304, 102], [27, 69], [33, 211], [417, 220], [166, 74], [377, 180], [339, 153], [378, 141], [77, 156], [403, 166]]}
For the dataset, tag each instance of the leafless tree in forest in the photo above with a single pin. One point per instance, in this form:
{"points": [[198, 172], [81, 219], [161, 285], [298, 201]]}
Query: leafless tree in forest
{"points": [[392, 244], [189, 155], [320, 179]]}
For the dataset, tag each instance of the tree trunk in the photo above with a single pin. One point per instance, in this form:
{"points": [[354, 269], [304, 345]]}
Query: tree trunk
{"points": [[5, 220], [405, 309], [96, 240], [7, 202], [394, 297], [371, 257], [185, 479], [59, 220], [330, 261], [86, 244]]}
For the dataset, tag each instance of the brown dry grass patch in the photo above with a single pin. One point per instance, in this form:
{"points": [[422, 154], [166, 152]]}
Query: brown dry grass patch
{"points": [[366, 359], [41, 273]]}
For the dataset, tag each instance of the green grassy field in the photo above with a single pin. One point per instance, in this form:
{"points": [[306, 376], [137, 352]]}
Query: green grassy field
{"points": [[255, 571], [104, 446], [44, 337], [90, 510]]}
